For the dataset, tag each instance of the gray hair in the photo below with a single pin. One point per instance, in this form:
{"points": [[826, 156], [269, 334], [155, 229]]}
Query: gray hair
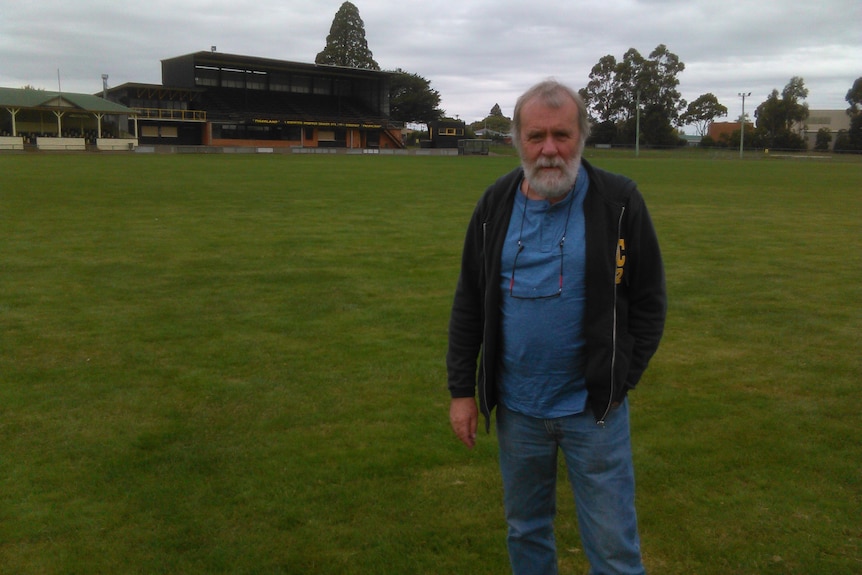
{"points": [[553, 94]]}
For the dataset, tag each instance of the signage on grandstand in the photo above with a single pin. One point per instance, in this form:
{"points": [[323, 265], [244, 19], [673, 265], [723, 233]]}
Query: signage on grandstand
{"points": [[271, 122]]}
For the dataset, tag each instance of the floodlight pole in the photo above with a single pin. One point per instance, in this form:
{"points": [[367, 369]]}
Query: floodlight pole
{"points": [[743, 95], [638, 125]]}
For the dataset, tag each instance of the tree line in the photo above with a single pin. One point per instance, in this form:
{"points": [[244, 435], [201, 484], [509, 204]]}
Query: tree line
{"points": [[637, 90], [633, 97]]}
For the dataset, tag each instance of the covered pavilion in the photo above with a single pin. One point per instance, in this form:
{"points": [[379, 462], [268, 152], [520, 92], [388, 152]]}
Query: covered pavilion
{"points": [[61, 120]]}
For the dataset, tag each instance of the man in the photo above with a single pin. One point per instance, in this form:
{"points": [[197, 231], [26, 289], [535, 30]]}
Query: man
{"points": [[561, 299]]}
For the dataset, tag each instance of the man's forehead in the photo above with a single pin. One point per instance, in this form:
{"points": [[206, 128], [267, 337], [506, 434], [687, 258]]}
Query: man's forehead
{"points": [[537, 114]]}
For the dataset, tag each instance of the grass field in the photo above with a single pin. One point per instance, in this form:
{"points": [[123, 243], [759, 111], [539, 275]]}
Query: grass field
{"points": [[234, 364]]}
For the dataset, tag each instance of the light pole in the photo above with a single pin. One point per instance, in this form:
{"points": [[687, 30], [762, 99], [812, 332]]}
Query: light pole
{"points": [[743, 95], [638, 125]]}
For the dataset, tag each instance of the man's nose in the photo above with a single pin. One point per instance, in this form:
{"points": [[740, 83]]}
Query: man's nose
{"points": [[549, 147]]}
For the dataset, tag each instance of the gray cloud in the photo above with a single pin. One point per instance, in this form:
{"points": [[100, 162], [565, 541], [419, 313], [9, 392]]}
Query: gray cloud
{"points": [[476, 53]]}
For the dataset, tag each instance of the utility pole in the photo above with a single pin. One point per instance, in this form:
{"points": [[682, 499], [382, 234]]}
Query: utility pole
{"points": [[638, 125], [743, 95]]}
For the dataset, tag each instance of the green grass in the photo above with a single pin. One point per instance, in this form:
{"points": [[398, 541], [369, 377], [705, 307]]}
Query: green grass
{"points": [[234, 364]]}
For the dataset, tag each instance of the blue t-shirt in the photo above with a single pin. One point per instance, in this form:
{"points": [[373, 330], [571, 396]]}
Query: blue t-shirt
{"points": [[541, 371]]}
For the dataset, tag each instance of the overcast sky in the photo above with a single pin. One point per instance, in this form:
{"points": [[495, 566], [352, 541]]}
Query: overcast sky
{"points": [[475, 53]]}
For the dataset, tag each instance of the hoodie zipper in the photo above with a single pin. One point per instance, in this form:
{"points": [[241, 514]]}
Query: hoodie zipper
{"points": [[601, 421]]}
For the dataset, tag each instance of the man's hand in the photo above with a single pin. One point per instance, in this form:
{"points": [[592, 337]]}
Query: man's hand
{"points": [[464, 417]]}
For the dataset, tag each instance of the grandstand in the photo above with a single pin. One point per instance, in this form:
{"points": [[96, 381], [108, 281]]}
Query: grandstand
{"points": [[60, 121], [215, 99]]}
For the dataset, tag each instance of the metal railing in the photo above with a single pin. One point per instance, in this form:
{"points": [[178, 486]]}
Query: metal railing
{"points": [[168, 114]]}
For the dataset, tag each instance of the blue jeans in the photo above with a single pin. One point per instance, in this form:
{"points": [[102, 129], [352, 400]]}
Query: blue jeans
{"points": [[599, 464]]}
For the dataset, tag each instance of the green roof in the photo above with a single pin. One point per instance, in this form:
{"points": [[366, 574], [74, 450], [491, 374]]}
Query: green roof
{"points": [[42, 99]]}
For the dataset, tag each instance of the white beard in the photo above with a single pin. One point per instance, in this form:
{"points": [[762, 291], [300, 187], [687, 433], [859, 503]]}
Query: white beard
{"points": [[552, 183]]}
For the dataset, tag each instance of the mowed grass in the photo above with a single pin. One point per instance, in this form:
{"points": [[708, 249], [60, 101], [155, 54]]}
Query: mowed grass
{"points": [[235, 364]]}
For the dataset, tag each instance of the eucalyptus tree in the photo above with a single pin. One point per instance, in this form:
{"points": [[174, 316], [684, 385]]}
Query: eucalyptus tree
{"points": [[780, 112], [660, 80], [854, 98], [702, 112], [618, 89], [600, 92]]}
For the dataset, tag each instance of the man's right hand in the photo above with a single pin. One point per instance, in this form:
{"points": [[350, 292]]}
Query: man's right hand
{"points": [[464, 418]]}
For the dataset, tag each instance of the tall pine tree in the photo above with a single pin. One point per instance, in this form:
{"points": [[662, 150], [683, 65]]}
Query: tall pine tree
{"points": [[346, 44]]}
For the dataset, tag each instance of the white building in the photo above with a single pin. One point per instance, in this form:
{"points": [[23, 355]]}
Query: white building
{"points": [[833, 120]]}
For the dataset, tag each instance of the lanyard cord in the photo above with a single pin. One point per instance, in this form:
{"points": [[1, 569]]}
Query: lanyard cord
{"points": [[562, 240]]}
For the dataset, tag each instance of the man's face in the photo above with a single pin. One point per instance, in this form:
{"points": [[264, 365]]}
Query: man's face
{"points": [[550, 147]]}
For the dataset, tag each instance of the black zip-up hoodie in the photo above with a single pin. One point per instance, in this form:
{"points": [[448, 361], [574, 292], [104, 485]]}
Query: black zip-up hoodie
{"points": [[625, 292]]}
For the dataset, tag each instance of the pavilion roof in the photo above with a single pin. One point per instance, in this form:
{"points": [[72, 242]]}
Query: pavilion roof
{"points": [[45, 100]]}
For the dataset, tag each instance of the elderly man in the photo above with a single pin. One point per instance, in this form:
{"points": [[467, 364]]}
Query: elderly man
{"points": [[561, 303]]}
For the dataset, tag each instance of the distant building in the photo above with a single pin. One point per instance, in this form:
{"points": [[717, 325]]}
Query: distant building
{"points": [[719, 129], [691, 140], [833, 120], [446, 133]]}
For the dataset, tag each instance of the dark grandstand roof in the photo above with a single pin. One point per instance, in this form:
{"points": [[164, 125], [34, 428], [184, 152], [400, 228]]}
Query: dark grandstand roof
{"points": [[152, 87], [45, 100], [137, 90], [219, 59]]}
